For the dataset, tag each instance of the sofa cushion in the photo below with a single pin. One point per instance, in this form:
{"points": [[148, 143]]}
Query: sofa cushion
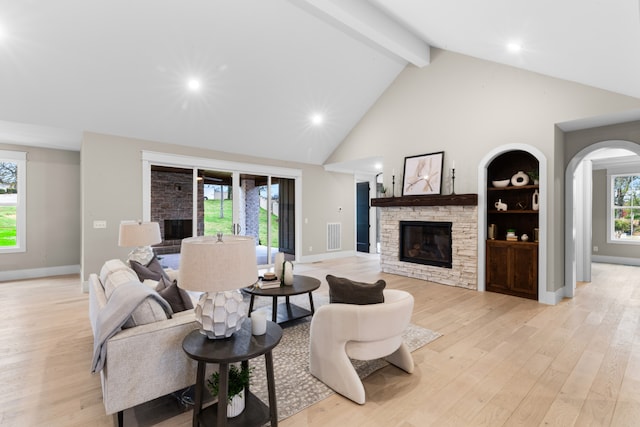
{"points": [[149, 311], [113, 274], [177, 298], [345, 291]]}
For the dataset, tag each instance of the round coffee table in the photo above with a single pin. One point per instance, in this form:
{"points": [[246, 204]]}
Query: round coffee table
{"points": [[288, 311]]}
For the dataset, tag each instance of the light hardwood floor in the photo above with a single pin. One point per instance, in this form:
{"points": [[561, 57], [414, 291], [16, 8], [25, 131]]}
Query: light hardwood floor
{"points": [[502, 360]]}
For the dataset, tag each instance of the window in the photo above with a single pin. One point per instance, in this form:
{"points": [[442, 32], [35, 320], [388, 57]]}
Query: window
{"points": [[625, 209], [12, 201]]}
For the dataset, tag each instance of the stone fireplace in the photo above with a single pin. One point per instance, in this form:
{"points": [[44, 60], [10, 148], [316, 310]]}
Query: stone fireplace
{"points": [[460, 211]]}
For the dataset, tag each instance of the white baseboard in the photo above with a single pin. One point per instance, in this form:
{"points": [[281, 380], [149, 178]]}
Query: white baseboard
{"points": [[552, 297], [326, 256], [615, 260], [34, 273]]}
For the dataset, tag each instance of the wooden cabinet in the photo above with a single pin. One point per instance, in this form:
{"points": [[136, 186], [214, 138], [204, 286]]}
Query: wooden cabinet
{"points": [[512, 268], [512, 265]]}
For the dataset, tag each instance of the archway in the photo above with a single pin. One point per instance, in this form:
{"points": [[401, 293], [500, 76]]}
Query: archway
{"points": [[570, 205]]}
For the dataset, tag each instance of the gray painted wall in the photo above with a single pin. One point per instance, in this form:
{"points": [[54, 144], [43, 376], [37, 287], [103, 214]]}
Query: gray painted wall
{"points": [[469, 107], [112, 191], [53, 211]]}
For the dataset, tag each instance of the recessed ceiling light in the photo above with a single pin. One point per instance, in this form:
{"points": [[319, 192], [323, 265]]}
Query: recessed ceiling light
{"points": [[514, 47], [193, 84], [317, 119]]}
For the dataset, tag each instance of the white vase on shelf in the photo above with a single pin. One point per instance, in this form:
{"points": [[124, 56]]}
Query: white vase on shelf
{"points": [[535, 201], [520, 179]]}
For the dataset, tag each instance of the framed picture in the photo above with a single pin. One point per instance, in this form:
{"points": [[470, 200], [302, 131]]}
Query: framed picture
{"points": [[423, 174]]}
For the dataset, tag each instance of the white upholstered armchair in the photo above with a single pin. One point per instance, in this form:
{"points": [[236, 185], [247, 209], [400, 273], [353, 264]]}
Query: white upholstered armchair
{"points": [[363, 332]]}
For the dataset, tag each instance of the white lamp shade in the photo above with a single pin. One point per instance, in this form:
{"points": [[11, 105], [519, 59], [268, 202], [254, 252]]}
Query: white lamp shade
{"points": [[138, 233], [208, 265]]}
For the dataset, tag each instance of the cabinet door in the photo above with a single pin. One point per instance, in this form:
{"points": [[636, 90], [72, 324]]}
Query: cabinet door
{"points": [[525, 270], [498, 267]]}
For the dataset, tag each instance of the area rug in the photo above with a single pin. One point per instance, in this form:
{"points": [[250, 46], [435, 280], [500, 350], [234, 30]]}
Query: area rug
{"points": [[296, 388]]}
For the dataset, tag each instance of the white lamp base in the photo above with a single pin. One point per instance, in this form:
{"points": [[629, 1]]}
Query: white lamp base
{"points": [[220, 314], [141, 254]]}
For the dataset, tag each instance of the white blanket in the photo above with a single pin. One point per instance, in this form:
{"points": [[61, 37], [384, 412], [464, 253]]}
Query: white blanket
{"points": [[121, 304]]}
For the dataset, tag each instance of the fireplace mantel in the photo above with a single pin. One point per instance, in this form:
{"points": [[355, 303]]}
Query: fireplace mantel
{"points": [[430, 200]]}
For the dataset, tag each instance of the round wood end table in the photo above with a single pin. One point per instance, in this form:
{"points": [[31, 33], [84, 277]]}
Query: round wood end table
{"points": [[240, 347]]}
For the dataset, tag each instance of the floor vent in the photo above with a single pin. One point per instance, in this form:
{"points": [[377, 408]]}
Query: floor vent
{"points": [[334, 236]]}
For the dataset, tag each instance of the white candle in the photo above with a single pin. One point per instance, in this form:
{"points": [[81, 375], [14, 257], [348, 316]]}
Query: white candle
{"points": [[277, 265], [258, 323], [453, 164], [393, 171]]}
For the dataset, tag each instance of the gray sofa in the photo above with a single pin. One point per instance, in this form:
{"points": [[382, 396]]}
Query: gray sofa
{"points": [[142, 362]]}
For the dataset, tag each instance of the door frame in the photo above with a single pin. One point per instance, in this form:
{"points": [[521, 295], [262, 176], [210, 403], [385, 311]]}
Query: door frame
{"points": [[373, 241], [155, 158], [571, 250]]}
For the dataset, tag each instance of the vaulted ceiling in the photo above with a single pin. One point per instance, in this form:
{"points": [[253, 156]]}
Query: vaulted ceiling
{"points": [[266, 67]]}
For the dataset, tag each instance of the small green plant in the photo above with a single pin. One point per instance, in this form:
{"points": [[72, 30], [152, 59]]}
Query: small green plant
{"points": [[238, 379], [534, 175]]}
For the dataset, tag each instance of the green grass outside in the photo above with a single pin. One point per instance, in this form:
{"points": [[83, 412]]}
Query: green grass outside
{"points": [[214, 224], [7, 225]]}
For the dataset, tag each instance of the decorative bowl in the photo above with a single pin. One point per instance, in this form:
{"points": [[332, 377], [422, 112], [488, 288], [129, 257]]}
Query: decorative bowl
{"points": [[501, 182]]}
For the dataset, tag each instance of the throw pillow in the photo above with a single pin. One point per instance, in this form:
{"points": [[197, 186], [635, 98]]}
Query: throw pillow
{"points": [[177, 298], [153, 271], [345, 291]]}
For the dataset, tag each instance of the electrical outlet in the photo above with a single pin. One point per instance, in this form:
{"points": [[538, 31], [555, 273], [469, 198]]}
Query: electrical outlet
{"points": [[100, 224], [310, 248], [595, 249]]}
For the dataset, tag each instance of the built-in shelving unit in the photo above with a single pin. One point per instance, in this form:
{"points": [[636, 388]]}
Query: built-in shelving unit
{"points": [[512, 266]]}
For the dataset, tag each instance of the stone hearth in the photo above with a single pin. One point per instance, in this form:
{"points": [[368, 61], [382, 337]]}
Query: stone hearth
{"points": [[464, 234]]}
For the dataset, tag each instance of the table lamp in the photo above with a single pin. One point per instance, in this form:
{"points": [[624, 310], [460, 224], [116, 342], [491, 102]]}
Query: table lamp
{"points": [[140, 235], [219, 267]]}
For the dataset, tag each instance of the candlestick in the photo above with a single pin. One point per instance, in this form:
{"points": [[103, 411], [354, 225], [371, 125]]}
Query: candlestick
{"points": [[393, 185], [453, 180]]}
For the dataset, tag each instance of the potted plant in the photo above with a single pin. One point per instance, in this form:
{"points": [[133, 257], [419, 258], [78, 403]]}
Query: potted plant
{"points": [[238, 380], [534, 175]]}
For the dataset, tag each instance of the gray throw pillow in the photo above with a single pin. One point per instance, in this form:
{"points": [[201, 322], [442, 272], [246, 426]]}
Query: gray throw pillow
{"points": [[345, 291], [153, 271], [177, 298]]}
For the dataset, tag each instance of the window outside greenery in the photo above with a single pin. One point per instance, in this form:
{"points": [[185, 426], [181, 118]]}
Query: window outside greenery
{"points": [[8, 203], [626, 208], [214, 222]]}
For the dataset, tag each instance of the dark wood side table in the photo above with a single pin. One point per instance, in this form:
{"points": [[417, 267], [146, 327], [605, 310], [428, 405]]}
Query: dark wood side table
{"points": [[240, 347], [301, 285]]}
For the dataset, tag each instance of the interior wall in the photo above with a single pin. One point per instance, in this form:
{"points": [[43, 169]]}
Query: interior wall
{"points": [[111, 172], [468, 107], [53, 213]]}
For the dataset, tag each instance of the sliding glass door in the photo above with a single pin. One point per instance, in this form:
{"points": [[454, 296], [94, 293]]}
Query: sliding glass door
{"points": [[225, 197]]}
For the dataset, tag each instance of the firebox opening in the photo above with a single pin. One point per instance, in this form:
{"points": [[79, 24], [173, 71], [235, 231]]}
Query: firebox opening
{"points": [[177, 229], [426, 242]]}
